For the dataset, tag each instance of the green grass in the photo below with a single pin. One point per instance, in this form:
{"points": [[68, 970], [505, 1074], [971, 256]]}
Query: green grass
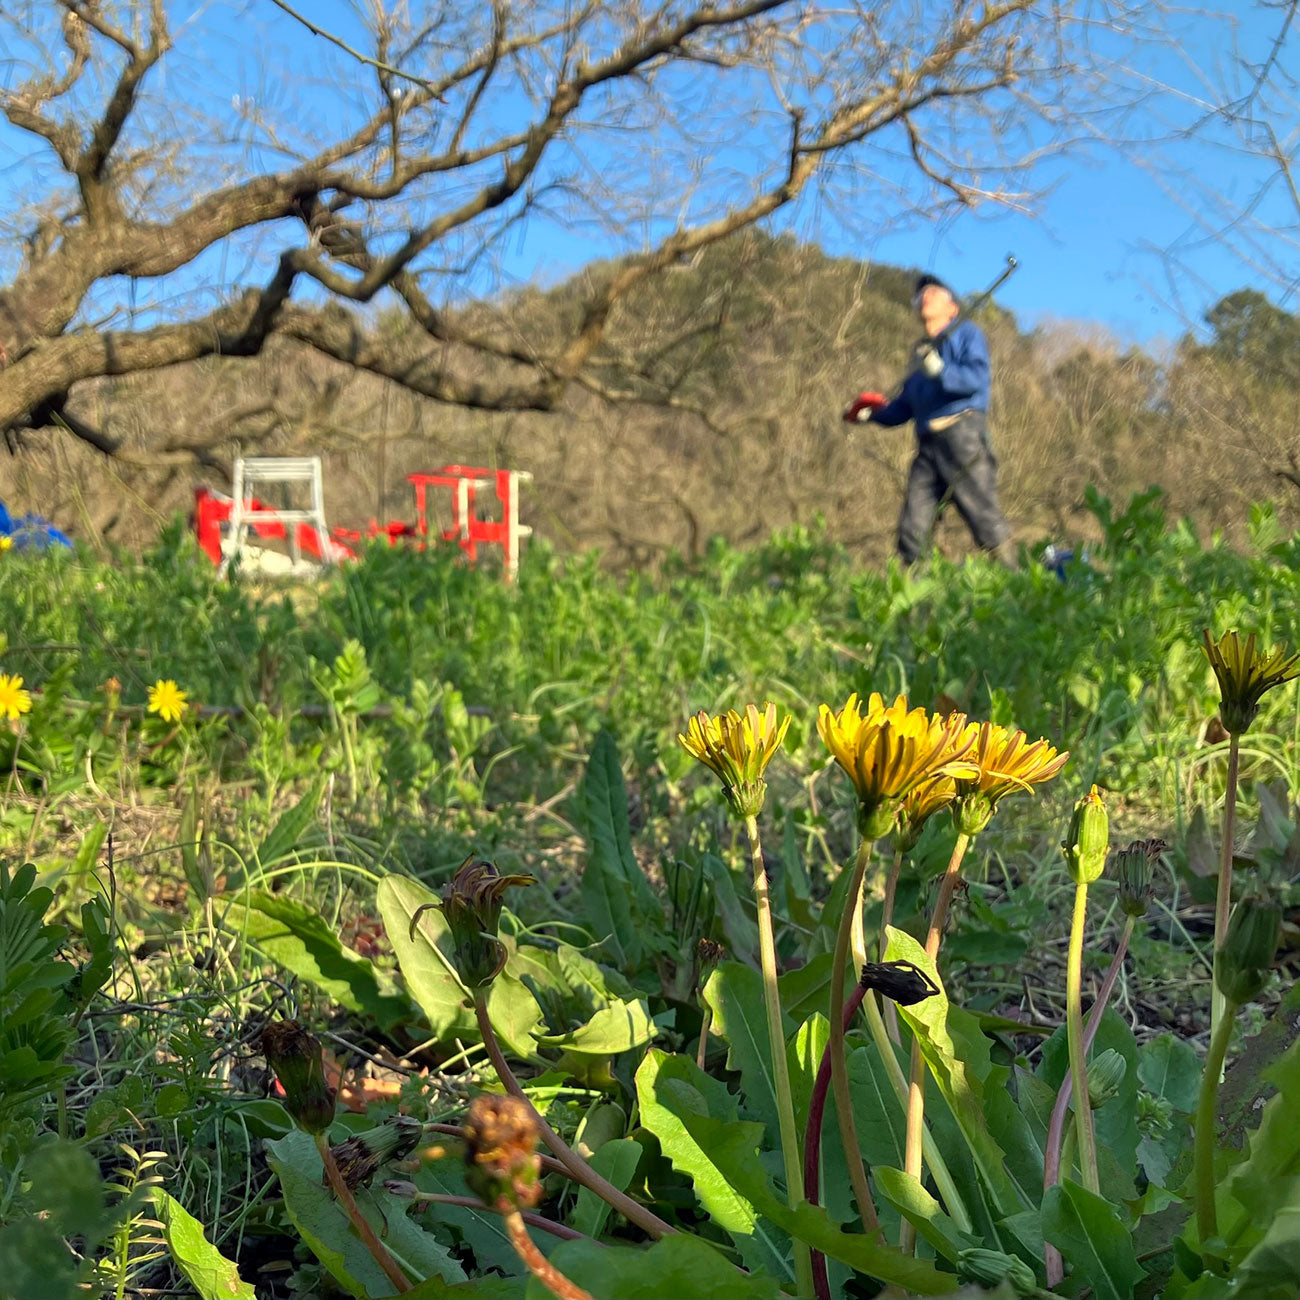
{"points": [[407, 711]]}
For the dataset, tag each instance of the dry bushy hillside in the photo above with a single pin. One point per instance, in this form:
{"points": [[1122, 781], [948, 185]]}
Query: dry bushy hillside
{"points": [[744, 360]]}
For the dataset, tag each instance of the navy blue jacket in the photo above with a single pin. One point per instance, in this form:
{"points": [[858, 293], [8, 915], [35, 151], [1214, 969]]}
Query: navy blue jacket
{"points": [[962, 384]]}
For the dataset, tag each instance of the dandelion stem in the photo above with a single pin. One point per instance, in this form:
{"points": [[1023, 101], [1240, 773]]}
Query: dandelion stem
{"points": [[706, 1024], [1207, 1222], [776, 1040], [579, 1170], [1053, 1162], [533, 1259], [914, 1148], [886, 920], [835, 1046], [1074, 1033], [1223, 897], [367, 1234]]}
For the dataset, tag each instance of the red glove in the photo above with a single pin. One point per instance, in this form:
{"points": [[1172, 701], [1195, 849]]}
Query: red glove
{"points": [[862, 406]]}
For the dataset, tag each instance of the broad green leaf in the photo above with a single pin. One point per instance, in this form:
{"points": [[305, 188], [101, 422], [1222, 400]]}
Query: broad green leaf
{"points": [[803, 1059], [734, 993], [1267, 1181], [734, 1148], [1170, 1068], [619, 902], [1096, 1245], [206, 1269], [486, 1287], [431, 979], [617, 1027], [1014, 1134], [1274, 1262], [957, 1080], [877, 1115], [616, 1161], [294, 936], [330, 1236], [681, 1266], [909, 1197], [806, 990], [288, 832], [671, 1088]]}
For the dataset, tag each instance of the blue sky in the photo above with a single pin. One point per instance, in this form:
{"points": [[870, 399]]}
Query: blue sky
{"points": [[1091, 251]]}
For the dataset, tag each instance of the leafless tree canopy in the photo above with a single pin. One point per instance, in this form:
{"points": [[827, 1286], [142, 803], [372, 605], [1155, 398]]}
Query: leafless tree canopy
{"points": [[175, 219]]}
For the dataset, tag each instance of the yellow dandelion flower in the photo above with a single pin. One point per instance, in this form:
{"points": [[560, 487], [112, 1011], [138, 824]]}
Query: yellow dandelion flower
{"points": [[167, 700], [919, 805], [1005, 762], [737, 748], [6, 542], [889, 751], [14, 700], [1244, 674]]}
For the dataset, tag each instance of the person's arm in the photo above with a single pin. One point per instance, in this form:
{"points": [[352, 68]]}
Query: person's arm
{"points": [[899, 411], [965, 361]]}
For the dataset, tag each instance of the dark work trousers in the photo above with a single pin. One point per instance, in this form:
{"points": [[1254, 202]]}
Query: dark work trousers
{"points": [[957, 465]]}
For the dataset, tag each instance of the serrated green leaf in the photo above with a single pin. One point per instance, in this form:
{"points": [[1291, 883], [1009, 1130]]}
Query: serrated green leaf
{"points": [[907, 1195], [955, 1071], [734, 993], [669, 1088], [206, 1269], [618, 899], [1096, 1245], [734, 1149]]}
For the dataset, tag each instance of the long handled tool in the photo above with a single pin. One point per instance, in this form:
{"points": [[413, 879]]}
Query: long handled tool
{"points": [[964, 312]]}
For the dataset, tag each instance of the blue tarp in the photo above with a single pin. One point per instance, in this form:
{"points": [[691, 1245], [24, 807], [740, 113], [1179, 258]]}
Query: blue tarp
{"points": [[30, 532]]}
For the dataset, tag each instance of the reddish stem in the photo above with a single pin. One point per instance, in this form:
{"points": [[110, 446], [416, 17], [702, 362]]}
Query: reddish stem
{"points": [[812, 1139]]}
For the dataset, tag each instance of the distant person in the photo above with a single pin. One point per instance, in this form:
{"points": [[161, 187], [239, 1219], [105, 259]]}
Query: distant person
{"points": [[947, 395]]}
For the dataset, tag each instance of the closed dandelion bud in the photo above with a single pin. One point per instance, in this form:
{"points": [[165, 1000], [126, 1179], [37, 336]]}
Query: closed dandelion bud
{"points": [[1241, 966], [501, 1160], [1088, 841], [991, 1268], [471, 904], [1134, 867], [1105, 1075], [295, 1056], [360, 1156], [972, 813]]}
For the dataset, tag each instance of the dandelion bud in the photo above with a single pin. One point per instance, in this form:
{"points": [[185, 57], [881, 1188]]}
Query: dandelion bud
{"points": [[295, 1056], [991, 1268], [1105, 1075], [1245, 672], [360, 1156], [501, 1159], [1242, 964], [973, 812], [1134, 866], [1088, 841], [472, 905], [709, 952]]}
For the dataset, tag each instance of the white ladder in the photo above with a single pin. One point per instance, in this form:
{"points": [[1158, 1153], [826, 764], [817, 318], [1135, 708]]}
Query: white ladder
{"points": [[278, 470]]}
